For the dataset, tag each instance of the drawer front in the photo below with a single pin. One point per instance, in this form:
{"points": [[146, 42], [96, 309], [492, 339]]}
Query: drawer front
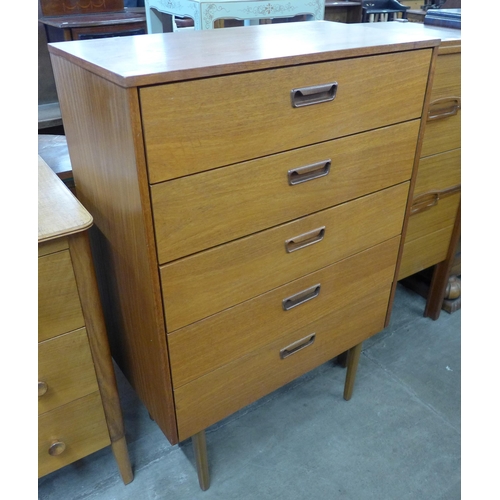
{"points": [[206, 283], [80, 425], [438, 172], [220, 393], [240, 117], [442, 131], [447, 77], [52, 246], [424, 252], [441, 214], [65, 370], [59, 309], [222, 338], [191, 213], [442, 135]]}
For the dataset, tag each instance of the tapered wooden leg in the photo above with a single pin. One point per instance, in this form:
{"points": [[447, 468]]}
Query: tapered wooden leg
{"points": [[120, 452], [352, 367], [200, 453]]}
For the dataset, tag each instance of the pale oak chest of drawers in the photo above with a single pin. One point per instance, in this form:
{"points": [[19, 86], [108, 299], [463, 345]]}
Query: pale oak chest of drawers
{"points": [[78, 406], [249, 188]]}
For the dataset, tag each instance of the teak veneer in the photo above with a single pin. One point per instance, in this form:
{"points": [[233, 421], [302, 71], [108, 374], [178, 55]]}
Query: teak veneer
{"points": [[250, 189]]}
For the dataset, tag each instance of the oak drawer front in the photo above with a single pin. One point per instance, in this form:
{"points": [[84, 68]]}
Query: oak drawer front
{"points": [[442, 135], [65, 370], [191, 213], [220, 393], [59, 309], [424, 252], [80, 425], [203, 284], [240, 117], [439, 215], [438, 172], [220, 339]]}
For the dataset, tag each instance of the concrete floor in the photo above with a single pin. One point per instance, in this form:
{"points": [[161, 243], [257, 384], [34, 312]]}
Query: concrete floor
{"points": [[398, 438]]}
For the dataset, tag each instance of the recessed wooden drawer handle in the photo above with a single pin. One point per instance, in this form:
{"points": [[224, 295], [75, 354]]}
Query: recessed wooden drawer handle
{"points": [[315, 94], [442, 108], [42, 388], [301, 297], [309, 172], [297, 346], [431, 199], [304, 240], [424, 202], [56, 448]]}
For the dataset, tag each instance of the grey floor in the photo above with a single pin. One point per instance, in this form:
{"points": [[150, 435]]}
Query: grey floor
{"points": [[398, 438]]}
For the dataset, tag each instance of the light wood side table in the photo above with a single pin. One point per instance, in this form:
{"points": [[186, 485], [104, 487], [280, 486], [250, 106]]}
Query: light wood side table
{"points": [[78, 404]]}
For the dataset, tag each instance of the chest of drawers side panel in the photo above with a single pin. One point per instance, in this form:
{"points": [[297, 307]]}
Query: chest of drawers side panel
{"points": [[111, 183]]}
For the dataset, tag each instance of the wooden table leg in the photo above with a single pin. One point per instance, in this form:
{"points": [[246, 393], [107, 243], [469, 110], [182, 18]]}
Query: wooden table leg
{"points": [[352, 367], [200, 453]]}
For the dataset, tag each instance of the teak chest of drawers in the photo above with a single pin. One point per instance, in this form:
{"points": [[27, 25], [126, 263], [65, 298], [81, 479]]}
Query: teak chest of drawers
{"points": [[78, 405], [249, 188], [434, 225]]}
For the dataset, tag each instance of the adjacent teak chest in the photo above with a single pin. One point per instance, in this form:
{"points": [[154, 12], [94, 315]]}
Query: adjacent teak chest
{"points": [[249, 188], [78, 406]]}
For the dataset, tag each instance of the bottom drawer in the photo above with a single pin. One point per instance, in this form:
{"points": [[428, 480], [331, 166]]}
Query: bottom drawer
{"points": [[428, 221], [80, 427], [220, 393], [425, 252]]}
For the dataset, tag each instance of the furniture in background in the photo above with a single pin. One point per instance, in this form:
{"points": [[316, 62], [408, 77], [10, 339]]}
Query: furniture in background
{"points": [[343, 12], [78, 405], [209, 14], [382, 11], [238, 237], [61, 20], [418, 8], [434, 225]]}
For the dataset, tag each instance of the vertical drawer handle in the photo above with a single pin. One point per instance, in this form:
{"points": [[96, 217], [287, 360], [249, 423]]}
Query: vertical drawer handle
{"points": [[301, 297], [442, 108], [297, 346], [315, 94], [304, 240], [309, 172]]}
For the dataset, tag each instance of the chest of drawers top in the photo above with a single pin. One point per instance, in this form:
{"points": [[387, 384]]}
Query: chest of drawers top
{"points": [[59, 212], [161, 58]]}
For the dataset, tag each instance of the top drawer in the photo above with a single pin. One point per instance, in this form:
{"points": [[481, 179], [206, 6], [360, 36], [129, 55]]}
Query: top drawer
{"points": [[59, 309], [239, 117]]}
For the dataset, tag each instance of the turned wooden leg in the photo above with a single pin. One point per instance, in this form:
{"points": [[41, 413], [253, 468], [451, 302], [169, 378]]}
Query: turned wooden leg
{"points": [[200, 453], [352, 367], [120, 452]]}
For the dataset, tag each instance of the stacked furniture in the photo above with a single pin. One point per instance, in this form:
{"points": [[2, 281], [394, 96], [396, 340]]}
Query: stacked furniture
{"points": [[78, 406], [249, 204]]}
